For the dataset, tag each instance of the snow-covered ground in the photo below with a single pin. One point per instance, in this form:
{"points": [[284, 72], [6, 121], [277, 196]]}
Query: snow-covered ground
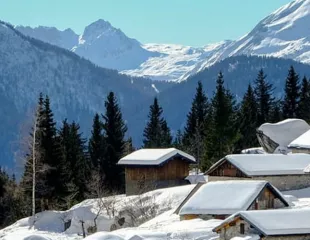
{"points": [[165, 225]]}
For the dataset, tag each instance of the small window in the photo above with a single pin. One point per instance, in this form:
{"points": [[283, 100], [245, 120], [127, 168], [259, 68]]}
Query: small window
{"points": [[242, 228]]}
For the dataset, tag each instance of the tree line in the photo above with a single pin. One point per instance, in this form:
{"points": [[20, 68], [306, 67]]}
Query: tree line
{"points": [[62, 166], [221, 125]]}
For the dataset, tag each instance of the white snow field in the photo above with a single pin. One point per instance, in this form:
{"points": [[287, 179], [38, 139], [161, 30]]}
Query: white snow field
{"points": [[165, 225]]}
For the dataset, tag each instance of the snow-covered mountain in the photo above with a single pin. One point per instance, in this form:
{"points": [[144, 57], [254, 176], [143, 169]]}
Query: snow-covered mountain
{"points": [[109, 47], [100, 42], [284, 33], [65, 39], [76, 86]]}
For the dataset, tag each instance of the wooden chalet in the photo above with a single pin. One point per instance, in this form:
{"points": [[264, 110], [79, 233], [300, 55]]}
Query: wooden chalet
{"points": [[149, 169], [281, 224], [286, 172], [221, 199]]}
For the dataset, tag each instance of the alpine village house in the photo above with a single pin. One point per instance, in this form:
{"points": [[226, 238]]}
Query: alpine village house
{"points": [[285, 172], [149, 169]]}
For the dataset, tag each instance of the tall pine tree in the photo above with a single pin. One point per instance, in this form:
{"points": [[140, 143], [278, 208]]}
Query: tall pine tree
{"points": [[223, 132], [51, 156], [248, 120], [115, 130], [178, 140], [264, 95], [291, 95], [68, 191], [156, 133], [276, 112], [196, 124], [80, 162], [304, 103], [96, 148]]}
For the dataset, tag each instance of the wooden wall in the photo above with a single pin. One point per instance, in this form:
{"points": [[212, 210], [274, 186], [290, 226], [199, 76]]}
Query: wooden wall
{"points": [[173, 169], [266, 200], [227, 170]]}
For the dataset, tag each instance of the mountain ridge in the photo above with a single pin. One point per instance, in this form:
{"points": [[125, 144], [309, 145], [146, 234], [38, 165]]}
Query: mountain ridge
{"points": [[283, 33], [77, 87]]}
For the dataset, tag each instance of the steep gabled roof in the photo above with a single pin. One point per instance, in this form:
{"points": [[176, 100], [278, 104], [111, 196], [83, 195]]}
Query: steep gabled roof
{"points": [[226, 197], [266, 164], [274, 222], [154, 156], [302, 142], [194, 190]]}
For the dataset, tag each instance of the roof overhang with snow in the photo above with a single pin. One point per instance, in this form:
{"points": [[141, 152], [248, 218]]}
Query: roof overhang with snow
{"points": [[266, 164], [154, 157], [280, 222], [302, 142], [226, 197]]}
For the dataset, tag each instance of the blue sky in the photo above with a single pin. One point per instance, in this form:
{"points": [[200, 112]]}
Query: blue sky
{"points": [[187, 22]]}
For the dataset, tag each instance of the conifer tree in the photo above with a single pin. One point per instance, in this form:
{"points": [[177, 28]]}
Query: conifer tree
{"points": [[115, 130], [52, 155], [166, 134], [197, 118], [156, 133], [304, 104], [248, 120], [80, 162], [223, 132], [178, 140], [12, 206], [264, 95], [96, 146], [66, 172], [3, 179], [291, 94], [129, 148], [276, 113]]}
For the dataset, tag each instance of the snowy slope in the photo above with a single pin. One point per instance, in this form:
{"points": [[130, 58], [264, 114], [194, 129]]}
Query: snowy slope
{"points": [[175, 62], [165, 225], [284, 33]]}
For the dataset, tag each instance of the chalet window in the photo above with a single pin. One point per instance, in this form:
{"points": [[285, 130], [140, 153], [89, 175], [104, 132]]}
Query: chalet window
{"points": [[241, 228]]}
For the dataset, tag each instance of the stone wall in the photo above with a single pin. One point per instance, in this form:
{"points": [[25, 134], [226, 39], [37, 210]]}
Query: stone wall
{"points": [[134, 187], [234, 231], [300, 150], [283, 183]]}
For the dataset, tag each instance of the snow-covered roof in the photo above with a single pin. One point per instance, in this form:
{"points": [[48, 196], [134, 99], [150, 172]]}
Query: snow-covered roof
{"points": [[154, 156], [226, 197], [284, 132], [267, 164], [302, 141], [275, 222]]}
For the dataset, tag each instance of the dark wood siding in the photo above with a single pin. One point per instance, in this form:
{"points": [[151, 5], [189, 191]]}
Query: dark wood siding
{"points": [[227, 170], [265, 200], [173, 169]]}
